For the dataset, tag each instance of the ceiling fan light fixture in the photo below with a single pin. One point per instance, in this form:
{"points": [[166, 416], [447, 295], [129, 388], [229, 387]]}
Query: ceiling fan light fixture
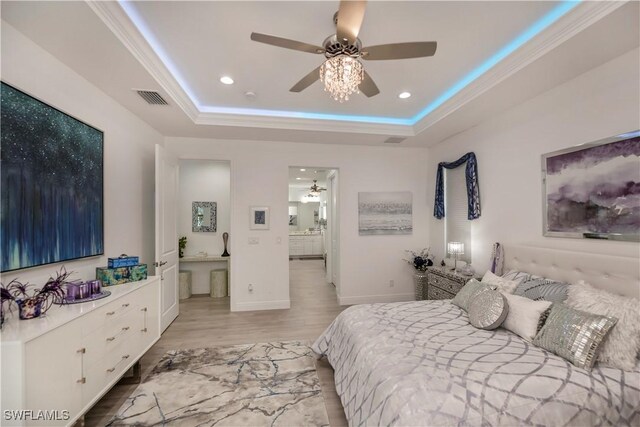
{"points": [[341, 75]]}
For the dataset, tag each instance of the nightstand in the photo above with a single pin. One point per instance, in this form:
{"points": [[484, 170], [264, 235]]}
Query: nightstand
{"points": [[443, 283]]}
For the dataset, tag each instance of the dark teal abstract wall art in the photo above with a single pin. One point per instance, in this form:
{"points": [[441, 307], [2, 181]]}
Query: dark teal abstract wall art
{"points": [[51, 166]]}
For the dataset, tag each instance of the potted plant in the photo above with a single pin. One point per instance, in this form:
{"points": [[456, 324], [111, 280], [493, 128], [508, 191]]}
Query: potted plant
{"points": [[33, 302], [182, 243], [420, 260]]}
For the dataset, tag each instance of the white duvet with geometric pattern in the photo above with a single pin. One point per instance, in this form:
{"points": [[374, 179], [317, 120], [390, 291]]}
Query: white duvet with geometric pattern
{"points": [[422, 364]]}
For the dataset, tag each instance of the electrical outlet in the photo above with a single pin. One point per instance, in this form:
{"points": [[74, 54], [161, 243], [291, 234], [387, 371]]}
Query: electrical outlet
{"points": [[392, 283], [254, 240], [250, 288]]}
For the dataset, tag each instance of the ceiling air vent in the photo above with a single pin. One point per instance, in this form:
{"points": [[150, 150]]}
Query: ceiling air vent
{"points": [[394, 140], [152, 97]]}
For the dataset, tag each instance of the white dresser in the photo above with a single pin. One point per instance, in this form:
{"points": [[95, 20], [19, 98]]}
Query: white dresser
{"points": [[68, 359]]}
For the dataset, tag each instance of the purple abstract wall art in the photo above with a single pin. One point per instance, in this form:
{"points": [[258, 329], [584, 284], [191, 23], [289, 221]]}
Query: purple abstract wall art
{"points": [[594, 190]]}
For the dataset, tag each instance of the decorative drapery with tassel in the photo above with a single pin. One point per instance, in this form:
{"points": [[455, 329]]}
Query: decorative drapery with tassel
{"points": [[473, 189]]}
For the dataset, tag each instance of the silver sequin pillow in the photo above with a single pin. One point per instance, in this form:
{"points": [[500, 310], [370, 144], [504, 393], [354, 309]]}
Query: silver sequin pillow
{"points": [[574, 334], [469, 292], [488, 310]]}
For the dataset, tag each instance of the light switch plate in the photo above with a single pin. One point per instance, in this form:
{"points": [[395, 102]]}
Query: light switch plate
{"points": [[254, 240]]}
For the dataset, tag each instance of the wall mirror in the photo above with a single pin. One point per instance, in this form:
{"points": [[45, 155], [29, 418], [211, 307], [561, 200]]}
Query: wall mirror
{"points": [[203, 216]]}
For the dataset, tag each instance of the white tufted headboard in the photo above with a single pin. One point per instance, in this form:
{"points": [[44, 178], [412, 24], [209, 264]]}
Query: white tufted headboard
{"points": [[620, 275]]}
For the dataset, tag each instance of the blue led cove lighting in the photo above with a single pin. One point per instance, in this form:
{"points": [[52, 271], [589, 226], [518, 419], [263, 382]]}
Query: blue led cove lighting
{"points": [[535, 29]]}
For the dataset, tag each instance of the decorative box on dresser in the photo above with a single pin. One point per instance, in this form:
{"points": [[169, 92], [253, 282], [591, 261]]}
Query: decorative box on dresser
{"points": [[67, 359], [443, 283]]}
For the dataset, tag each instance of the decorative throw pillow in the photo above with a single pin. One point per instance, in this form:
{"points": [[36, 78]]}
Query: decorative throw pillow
{"points": [[469, 292], [574, 334], [517, 276], [502, 284], [524, 315], [621, 347], [488, 310], [541, 289]]}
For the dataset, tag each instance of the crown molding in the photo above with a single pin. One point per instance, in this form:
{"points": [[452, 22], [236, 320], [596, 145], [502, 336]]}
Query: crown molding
{"points": [[270, 122], [576, 20], [570, 24]]}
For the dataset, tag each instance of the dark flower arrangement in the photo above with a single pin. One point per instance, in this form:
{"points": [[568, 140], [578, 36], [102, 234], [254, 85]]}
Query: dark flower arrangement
{"points": [[33, 302], [420, 260]]}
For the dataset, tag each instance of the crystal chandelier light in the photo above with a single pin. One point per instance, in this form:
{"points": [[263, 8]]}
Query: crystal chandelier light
{"points": [[341, 76]]}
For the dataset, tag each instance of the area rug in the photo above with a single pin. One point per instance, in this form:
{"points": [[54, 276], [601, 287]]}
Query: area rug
{"points": [[269, 384]]}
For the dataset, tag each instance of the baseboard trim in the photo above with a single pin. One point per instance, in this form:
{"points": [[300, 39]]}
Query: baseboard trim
{"points": [[371, 299], [262, 305]]}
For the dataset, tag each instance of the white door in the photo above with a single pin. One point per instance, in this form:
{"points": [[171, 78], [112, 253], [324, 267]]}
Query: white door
{"points": [[167, 233]]}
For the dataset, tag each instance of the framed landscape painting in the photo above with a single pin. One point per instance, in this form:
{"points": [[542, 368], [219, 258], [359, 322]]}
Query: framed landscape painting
{"points": [[593, 190], [52, 184], [385, 213]]}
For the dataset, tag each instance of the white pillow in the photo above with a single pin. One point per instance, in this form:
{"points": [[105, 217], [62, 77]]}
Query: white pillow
{"points": [[502, 284], [621, 346], [524, 315]]}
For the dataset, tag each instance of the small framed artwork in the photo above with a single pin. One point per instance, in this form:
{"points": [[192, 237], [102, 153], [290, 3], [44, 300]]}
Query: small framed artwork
{"points": [[259, 218]]}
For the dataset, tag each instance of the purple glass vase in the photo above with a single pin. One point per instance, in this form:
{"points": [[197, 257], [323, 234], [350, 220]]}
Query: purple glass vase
{"points": [[29, 308]]}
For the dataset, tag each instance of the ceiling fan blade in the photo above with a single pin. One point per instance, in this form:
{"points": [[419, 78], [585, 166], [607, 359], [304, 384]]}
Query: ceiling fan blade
{"points": [[368, 86], [286, 43], [306, 81], [400, 50], [350, 16]]}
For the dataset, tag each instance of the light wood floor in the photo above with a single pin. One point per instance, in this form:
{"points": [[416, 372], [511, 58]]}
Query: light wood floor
{"points": [[207, 322]]}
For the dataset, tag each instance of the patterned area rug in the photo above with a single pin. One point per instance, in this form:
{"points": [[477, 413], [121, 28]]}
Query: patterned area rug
{"points": [[270, 384]]}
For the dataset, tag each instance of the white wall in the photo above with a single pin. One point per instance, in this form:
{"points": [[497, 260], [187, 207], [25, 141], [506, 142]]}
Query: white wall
{"points": [[128, 152], [204, 181], [600, 103], [259, 176]]}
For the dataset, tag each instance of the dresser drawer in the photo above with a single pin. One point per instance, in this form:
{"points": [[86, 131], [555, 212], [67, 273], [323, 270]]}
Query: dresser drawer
{"points": [[437, 293], [108, 337], [444, 283], [108, 314]]}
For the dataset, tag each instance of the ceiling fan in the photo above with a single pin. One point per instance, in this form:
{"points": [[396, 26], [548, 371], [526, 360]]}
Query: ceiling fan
{"points": [[315, 190], [342, 73]]}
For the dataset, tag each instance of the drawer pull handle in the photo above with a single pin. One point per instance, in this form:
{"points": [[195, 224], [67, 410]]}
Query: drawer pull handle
{"points": [[125, 305], [82, 380], [126, 356], [143, 330], [111, 339], [126, 328], [82, 350], [110, 313], [143, 309]]}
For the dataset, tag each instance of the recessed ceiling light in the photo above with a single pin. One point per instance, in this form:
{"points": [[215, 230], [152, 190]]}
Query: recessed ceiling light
{"points": [[404, 95], [226, 80], [298, 179], [302, 170]]}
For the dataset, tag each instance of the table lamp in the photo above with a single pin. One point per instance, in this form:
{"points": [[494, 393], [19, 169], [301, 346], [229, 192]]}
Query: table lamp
{"points": [[456, 249]]}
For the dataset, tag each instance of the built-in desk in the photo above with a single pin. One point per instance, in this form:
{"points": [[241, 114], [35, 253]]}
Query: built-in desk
{"points": [[200, 270]]}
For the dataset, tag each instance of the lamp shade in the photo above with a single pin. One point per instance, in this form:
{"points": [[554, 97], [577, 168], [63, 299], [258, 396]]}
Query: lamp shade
{"points": [[455, 248]]}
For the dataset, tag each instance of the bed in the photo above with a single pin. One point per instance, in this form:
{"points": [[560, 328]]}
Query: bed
{"points": [[422, 363]]}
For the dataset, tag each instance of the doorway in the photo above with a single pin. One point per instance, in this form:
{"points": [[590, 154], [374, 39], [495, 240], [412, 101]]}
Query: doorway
{"points": [[313, 234], [204, 217]]}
